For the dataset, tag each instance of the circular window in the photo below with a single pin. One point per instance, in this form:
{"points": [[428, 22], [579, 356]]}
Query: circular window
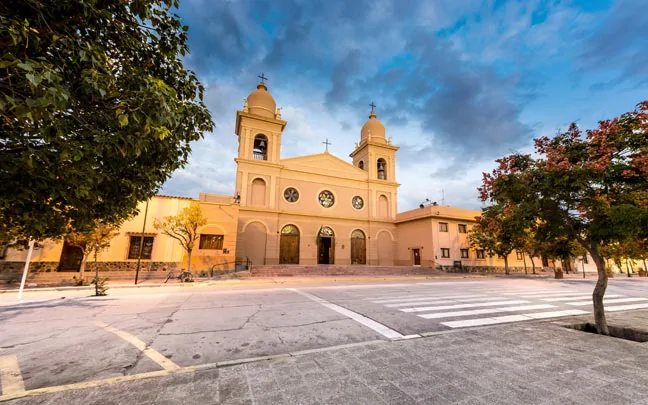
{"points": [[291, 194], [357, 202], [326, 199]]}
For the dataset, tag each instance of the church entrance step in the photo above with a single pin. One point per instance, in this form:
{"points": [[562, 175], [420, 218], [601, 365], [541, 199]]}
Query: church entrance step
{"points": [[337, 270]]}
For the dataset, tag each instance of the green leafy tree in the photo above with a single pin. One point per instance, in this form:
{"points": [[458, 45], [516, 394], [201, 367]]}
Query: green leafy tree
{"points": [[497, 232], [592, 188], [96, 110], [92, 242], [183, 228]]}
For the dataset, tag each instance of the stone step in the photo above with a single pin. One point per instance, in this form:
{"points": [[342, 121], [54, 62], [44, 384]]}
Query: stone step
{"points": [[338, 270]]}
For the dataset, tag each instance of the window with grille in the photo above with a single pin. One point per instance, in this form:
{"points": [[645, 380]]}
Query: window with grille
{"points": [[480, 254], [462, 228], [134, 247], [445, 252], [443, 227], [213, 242], [519, 255], [464, 253]]}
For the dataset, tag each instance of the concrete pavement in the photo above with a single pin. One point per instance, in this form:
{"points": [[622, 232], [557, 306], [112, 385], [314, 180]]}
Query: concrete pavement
{"points": [[326, 344]]}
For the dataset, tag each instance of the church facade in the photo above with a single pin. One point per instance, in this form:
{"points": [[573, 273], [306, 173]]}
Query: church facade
{"points": [[305, 210], [315, 209]]}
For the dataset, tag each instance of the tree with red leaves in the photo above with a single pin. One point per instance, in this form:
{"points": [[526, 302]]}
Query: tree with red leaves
{"points": [[592, 188]]}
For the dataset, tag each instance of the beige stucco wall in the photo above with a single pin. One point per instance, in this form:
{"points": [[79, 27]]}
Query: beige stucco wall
{"points": [[222, 218]]}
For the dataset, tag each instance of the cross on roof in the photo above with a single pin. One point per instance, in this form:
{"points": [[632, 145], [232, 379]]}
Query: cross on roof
{"points": [[262, 77], [372, 105], [327, 143]]}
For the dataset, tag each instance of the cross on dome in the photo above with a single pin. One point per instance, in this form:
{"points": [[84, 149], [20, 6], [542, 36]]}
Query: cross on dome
{"points": [[263, 78]]}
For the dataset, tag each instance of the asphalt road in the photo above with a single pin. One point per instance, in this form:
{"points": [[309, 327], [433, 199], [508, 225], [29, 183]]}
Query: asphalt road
{"points": [[55, 341]]}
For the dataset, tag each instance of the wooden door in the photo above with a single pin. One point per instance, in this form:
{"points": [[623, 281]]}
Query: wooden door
{"points": [[71, 258], [358, 251], [417, 257], [289, 249]]}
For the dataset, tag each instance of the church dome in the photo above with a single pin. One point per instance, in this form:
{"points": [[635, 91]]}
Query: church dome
{"points": [[260, 102], [372, 128]]}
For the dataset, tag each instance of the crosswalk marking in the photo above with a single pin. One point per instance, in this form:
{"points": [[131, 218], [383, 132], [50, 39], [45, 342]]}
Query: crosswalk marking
{"points": [[545, 294], [626, 307], [475, 306], [614, 301], [481, 304], [511, 318], [575, 297], [484, 311], [443, 301], [485, 321], [428, 298]]}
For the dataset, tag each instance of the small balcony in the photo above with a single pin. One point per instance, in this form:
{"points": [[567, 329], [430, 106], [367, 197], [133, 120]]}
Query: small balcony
{"points": [[259, 156]]}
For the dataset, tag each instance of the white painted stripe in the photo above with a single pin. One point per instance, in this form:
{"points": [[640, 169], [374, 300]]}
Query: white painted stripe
{"points": [[429, 297], [605, 302], [575, 297], [480, 304], [370, 323], [389, 297], [485, 311], [549, 292], [459, 313], [446, 301], [556, 314], [486, 321], [10, 377], [151, 353], [626, 307]]}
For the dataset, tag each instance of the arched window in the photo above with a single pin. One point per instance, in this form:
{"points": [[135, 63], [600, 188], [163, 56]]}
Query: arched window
{"points": [[382, 169], [361, 165], [260, 151]]}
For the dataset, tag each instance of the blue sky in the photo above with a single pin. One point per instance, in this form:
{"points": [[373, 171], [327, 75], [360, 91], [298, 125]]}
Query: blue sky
{"points": [[457, 83]]}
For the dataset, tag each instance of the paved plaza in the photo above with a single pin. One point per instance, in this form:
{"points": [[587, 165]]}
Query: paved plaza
{"points": [[485, 341]]}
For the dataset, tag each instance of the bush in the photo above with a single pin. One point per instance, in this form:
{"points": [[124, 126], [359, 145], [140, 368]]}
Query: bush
{"points": [[100, 286]]}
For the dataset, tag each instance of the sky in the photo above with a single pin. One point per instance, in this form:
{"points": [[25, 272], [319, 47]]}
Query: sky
{"points": [[457, 83]]}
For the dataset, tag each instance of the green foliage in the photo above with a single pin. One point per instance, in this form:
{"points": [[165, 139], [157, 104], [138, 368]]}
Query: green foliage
{"points": [[96, 110], [589, 188], [100, 286]]}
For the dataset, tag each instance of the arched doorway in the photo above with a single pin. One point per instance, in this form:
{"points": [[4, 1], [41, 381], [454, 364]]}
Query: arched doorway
{"points": [[358, 247], [289, 245], [254, 239], [326, 246]]}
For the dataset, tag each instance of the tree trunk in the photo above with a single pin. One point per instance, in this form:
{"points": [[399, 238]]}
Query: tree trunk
{"points": [[506, 268], [599, 291], [532, 264], [629, 267], [525, 266], [83, 266], [645, 267], [189, 260], [96, 274]]}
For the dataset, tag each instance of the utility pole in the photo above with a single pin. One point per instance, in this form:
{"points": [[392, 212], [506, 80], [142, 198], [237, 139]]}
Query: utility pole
{"points": [[26, 270], [141, 247]]}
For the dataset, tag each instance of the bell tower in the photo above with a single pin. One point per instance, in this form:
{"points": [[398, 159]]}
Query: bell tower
{"points": [[375, 153], [259, 128]]}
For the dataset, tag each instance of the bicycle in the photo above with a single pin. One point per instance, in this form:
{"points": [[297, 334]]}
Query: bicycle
{"points": [[184, 277]]}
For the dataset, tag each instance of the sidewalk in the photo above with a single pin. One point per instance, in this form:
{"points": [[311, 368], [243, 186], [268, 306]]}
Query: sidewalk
{"points": [[530, 363], [246, 279]]}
